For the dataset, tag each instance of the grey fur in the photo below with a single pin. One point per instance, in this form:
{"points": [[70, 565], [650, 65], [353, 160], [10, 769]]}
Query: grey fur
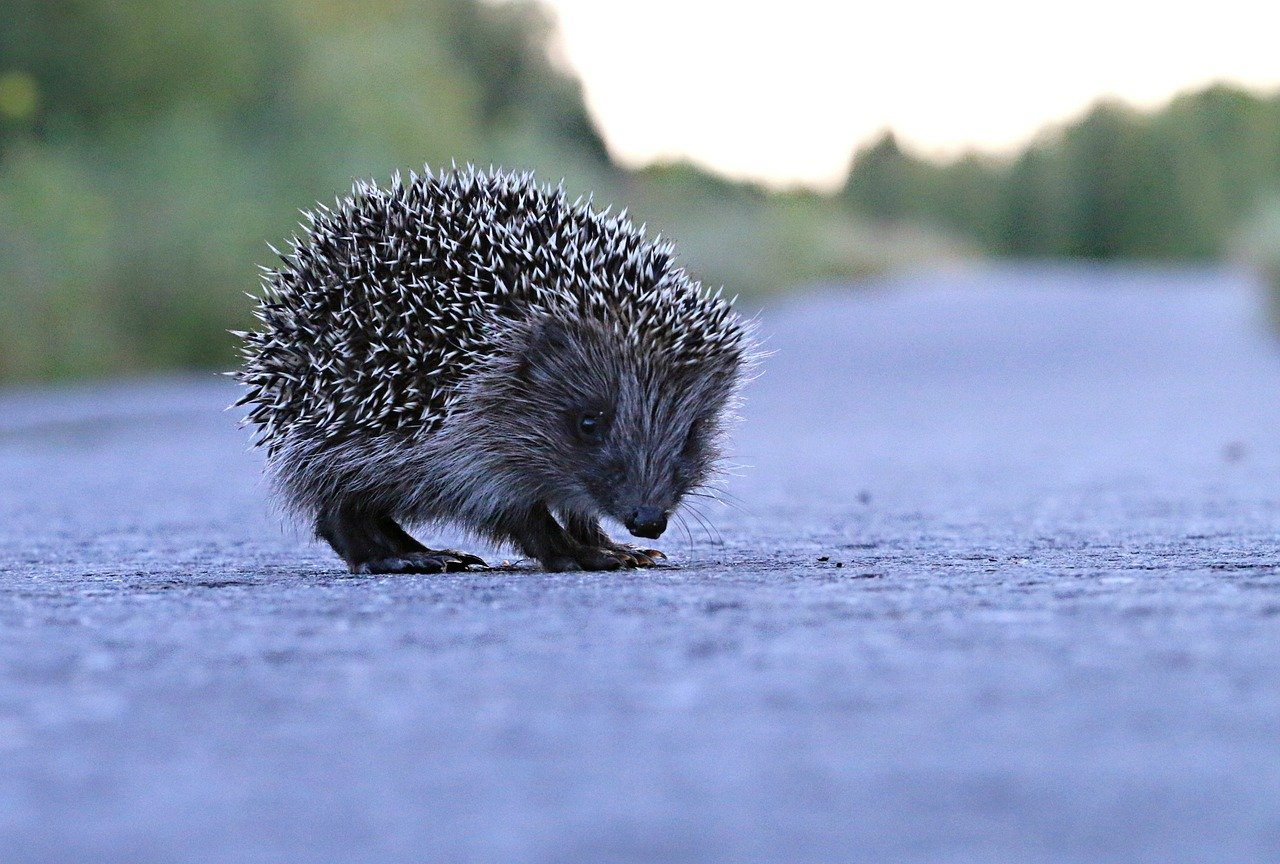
{"points": [[428, 352]]}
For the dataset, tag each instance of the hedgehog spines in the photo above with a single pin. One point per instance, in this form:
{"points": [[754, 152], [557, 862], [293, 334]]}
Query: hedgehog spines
{"points": [[376, 312]]}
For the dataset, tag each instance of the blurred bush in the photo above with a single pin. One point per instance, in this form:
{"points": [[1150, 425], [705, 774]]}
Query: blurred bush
{"points": [[1174, 183], [753, 239]]}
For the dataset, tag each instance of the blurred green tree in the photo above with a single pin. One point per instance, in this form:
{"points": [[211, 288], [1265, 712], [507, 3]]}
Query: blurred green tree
{"points": [[1116, 182], [882, 181]]}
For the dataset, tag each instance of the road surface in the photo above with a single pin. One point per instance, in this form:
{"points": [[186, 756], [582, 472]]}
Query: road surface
{"points": [[1001, 583]]}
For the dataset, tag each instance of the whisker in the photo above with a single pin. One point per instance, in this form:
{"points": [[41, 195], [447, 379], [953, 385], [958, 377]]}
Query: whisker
{"points": [[720, 496], [719, 490], [735, 504], [685, 527], [712, 534]]}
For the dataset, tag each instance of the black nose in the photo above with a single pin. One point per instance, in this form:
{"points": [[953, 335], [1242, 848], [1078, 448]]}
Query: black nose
{"points": [[647, 522]]}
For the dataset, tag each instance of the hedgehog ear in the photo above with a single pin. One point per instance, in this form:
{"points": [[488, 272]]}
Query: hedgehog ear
{"points": [[550, 337], [547, 338]]}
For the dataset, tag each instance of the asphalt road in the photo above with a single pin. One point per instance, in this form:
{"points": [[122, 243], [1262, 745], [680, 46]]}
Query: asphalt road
{"points": [[1003, 584]]}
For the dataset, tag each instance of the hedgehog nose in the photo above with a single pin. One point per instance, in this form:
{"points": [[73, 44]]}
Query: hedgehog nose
{"points": [[647, 522]]}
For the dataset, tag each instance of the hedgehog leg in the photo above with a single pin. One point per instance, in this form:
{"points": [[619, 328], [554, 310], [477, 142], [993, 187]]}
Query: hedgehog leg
{"points": [[542, 537], [407, 547], [587, 531], [376, 544]]}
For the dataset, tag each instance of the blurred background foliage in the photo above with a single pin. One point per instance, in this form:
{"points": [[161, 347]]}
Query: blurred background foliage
{"points": [[149, 150], [1181, 182]]}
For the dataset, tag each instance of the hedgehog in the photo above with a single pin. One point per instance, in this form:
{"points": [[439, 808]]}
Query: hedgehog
{"points": [[469, 347]]}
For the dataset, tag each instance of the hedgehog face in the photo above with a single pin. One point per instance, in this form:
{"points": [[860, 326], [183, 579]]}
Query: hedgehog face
{"points": [[619, 433]]}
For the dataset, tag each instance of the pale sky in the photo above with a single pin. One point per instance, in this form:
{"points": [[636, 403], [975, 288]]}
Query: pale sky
{"points": [[783, 92]]}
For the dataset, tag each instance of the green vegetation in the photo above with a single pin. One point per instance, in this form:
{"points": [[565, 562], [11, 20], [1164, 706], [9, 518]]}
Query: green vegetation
{"points": [[1179, 182], [149, 150], [754, 240]]}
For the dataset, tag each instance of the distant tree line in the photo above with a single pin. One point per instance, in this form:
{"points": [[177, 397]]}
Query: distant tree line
{"points": [[1177, 182]]}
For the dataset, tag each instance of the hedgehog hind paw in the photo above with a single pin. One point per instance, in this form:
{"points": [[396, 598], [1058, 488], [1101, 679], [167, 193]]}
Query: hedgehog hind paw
{"points": [[426, 561]]}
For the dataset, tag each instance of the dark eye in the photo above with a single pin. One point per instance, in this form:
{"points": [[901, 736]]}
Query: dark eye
{"points": [[591, 428]]}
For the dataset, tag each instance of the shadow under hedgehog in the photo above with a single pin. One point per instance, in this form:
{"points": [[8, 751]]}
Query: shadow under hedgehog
{"points": [[468, 347]]}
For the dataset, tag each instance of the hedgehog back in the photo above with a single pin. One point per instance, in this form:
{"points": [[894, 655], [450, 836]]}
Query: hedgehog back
{"points": [[393, 296]]}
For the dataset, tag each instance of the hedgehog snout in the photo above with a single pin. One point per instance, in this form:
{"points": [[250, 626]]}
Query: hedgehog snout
{"points": [[647, 522]]}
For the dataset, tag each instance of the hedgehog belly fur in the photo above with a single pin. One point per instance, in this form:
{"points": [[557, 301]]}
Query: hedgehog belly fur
{"points": [[470, 347]]}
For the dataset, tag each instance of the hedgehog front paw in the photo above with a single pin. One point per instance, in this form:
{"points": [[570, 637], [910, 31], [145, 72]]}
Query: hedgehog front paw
{"points": [[427, 561], [642, 557], [613, 557]]}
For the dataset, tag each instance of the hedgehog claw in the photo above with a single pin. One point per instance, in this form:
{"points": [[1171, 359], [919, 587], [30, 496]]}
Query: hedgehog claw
{"points": [[640, 557], [465, 558], [454, 561], [443, 561]]}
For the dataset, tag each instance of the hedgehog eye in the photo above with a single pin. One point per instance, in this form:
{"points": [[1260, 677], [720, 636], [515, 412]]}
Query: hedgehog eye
{"points": [[591, 427]]}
